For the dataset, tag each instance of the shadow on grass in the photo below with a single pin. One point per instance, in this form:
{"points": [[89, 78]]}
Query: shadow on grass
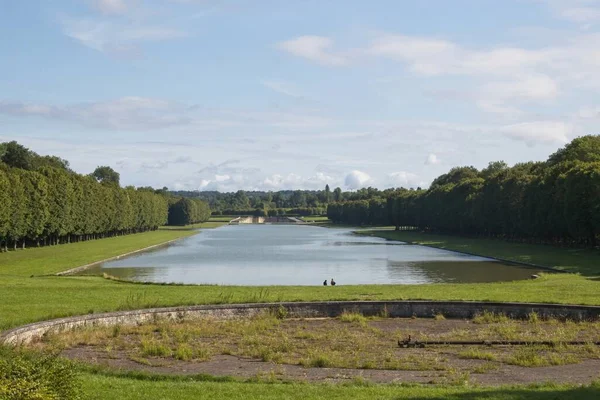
{"points": [[582, 393], [560, 259]]}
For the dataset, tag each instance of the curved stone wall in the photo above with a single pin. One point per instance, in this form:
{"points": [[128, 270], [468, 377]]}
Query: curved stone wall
{"points": [[395, 309]]}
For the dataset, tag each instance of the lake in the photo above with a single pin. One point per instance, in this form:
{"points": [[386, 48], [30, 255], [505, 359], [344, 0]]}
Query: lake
{"points": [[303, 255]]}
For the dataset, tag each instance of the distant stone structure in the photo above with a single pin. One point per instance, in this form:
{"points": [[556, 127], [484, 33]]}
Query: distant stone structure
{"points": [[266, 220]]}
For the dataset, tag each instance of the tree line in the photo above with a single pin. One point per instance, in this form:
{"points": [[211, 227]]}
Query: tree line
{"points": [[261, 203], [556, 201], [44, 202], [186, 211]]}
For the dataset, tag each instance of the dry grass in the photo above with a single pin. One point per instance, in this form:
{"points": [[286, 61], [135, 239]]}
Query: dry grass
{"points": [[350, 341]]}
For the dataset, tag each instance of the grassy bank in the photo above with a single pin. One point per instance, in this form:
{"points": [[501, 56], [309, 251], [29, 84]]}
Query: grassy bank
{"points": [[583, 261], [28, 295], [107, 388], [53, 259]]}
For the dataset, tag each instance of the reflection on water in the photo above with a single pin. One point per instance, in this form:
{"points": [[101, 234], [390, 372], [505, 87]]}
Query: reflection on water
{"points": [[303, 255]]}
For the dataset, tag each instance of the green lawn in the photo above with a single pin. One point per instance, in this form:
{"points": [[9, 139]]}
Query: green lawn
{"points": [[108, 388], [30, 294], [212, 223], [583, 261]]}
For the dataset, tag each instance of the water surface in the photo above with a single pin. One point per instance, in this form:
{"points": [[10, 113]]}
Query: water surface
{"points": [[304, 255]]}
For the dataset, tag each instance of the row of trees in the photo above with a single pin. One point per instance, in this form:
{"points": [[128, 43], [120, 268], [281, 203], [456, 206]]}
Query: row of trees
{"points": [[556, 201], [186, 211], [274, 212], [246, 202], [42, 201]]}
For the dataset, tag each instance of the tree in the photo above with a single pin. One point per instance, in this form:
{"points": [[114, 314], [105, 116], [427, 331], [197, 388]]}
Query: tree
{"points": [[337, 194], [16, 156], [328, 195], [493, 168], [5, 208], [107, 175], [585, 149]]}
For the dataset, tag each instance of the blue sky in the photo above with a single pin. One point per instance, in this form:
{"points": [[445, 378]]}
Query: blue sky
{"points": [[269, 95]]}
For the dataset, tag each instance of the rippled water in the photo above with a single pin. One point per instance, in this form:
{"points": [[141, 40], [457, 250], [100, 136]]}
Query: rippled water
{"points": [[304, 255]]}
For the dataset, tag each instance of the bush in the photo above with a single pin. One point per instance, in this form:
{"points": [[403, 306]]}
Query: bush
{"points": [[33, 376]]}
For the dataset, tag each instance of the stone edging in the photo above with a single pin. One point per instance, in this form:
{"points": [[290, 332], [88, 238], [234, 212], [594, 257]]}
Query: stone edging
{"points": [[86, 266], [400, 309]]}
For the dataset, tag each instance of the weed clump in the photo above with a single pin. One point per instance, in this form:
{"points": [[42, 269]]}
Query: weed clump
{"points": [[488, 317], [477, 354], [184, 352], [25, 375], [353, 317], [153, 348]]}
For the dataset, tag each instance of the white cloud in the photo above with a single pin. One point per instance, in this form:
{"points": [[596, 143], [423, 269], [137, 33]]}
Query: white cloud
{"points": [[314, 48], [432, 159], [403, 179], [545, 132], [589, 112], [357, 179], [111, 6], [116, 37], [142, 113], [282, 87], [576, 11]]}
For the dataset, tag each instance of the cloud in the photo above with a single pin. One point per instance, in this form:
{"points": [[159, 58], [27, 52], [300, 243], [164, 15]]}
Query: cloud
{"points": [[255, 180], [432, 159], [539, 132], [313, 48], [589, 112], [357, 179], [282, 87], [117, 37], [576, 11], [143, 113], [403, 179], [111, 6], [431, 56]]}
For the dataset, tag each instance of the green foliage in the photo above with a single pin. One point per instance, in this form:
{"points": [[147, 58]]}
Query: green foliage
{"points": [[106, 175], [186, 211], [31, 376], [43, 202]]}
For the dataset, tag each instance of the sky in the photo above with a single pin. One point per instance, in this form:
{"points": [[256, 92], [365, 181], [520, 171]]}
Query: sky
{"points": [[270, 95]]}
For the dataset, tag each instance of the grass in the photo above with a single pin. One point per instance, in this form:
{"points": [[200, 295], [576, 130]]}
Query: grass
{"points": [[353, 317], [477, 354], [53, 259], [583, 261], [351, 341], [535, 357], [113, 388], [26, 299]]}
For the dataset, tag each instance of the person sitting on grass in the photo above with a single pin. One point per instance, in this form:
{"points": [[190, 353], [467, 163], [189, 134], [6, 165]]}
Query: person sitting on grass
{"points": [[332, 282]]}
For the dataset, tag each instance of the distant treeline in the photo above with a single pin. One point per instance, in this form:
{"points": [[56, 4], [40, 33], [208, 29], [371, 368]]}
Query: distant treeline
{"points": [[42, 201], [556, 201], [266, 203], [274, 212]]}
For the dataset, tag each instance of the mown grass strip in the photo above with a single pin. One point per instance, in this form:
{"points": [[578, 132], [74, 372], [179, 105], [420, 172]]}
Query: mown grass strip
{"points": [[583, 261]]}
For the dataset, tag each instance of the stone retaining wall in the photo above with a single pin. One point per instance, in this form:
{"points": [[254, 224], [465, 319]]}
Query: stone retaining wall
{"points": [[398, 309]]}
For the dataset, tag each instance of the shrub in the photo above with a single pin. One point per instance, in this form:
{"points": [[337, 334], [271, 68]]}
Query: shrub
{"points": [[33, 376]]}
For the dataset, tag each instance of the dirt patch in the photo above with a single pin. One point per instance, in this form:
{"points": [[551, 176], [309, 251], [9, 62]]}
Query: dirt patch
{"points": [[348, 348], [245, 368]]}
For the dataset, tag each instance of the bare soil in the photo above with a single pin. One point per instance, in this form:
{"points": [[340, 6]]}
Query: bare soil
{"points": [[238, 351]]}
